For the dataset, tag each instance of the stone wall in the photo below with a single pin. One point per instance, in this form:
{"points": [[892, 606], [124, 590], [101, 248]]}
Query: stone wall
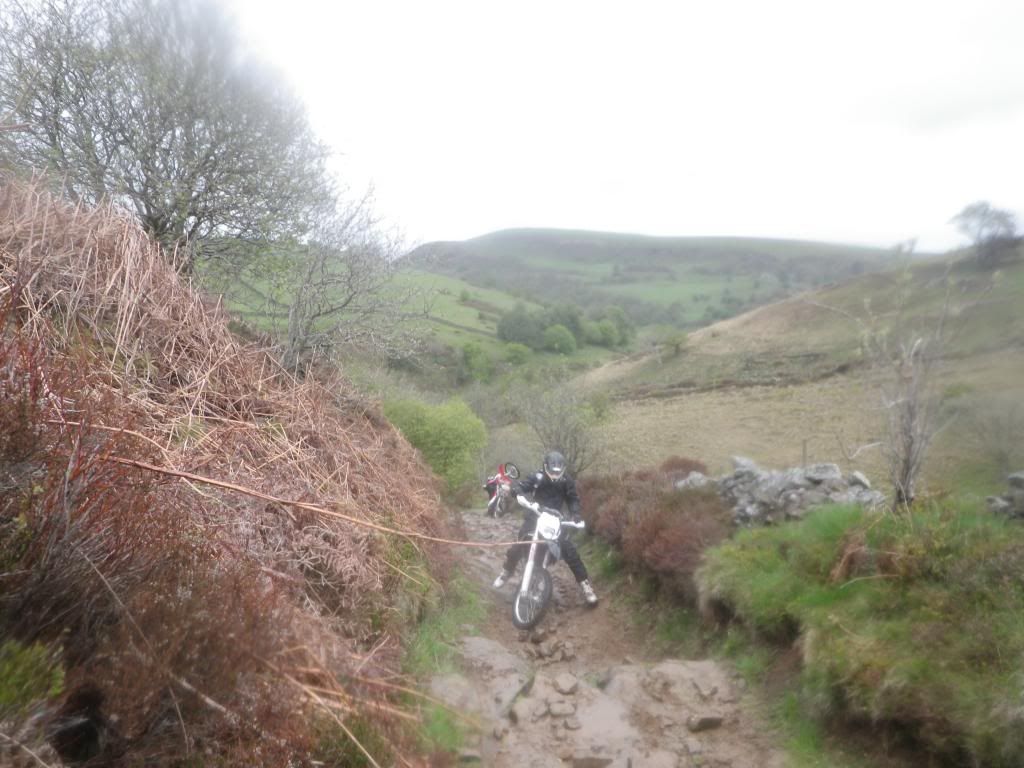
{"points": [[1010, 504], [763, 497]]}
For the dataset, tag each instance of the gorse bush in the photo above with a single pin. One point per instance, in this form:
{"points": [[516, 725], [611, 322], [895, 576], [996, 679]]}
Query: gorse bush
{"points": [[450, 436], [914, 621]]}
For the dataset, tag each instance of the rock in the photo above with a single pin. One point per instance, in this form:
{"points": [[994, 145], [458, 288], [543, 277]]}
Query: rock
{"points": [[693, 746], [658, 758], [568, 651], [469, 756], [457, 692], [590, 761], [704, 722], [573, 723], [561, 708], [743, 464], [545, 649], [692, 480], [857, 478], [566, 684], [538, 636], [1016, 480], [521, 711], [819, 473], [998, 505]]}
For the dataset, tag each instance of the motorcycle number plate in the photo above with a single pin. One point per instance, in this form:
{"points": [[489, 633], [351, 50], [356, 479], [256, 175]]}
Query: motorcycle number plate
{"points": [[547, 526]]}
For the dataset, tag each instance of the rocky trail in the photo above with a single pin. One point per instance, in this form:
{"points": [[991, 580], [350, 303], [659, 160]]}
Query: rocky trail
{"points": [[587, 689]]}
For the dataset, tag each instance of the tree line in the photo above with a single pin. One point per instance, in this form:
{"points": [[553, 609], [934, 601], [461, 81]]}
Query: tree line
{"points": [[564, 328]]}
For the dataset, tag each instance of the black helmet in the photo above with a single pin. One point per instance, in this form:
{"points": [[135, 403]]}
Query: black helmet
{"points": [[554, 465]]}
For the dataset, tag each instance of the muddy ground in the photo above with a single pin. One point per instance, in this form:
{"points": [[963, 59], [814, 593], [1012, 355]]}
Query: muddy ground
{"points": [[587, 688]]}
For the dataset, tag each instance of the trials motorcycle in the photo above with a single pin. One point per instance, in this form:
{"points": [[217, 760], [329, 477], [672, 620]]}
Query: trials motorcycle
{"points": [[535, 589], [499, 488]]}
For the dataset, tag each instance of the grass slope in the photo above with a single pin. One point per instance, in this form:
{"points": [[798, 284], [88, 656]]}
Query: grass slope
{"points": [[820, 332], [685, 281], [879, 606], [460, 312]]}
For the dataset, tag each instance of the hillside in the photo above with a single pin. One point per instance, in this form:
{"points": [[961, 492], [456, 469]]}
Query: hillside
{"points": [[789, 382], [677, 280], [818, 333], [205, 560]]}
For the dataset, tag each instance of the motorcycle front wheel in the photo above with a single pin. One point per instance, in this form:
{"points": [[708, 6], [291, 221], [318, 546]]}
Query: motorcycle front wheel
{"points": [[529, 609]]}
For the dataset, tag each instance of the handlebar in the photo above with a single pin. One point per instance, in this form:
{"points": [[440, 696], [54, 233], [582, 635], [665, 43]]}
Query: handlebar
{"points": [[535, 507]]}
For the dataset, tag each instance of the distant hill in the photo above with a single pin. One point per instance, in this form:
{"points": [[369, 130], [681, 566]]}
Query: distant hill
{"points": [[819, 332], [683, 281]]}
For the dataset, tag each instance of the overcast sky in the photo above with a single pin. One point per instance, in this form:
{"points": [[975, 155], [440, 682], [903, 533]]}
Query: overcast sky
{"points": [[866, 122]]}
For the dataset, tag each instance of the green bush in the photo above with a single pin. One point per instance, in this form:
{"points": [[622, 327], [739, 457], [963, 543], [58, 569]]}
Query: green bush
{"points": [[450, 436], [516, 353], [558, 338], [912, 620], [477, 362]]}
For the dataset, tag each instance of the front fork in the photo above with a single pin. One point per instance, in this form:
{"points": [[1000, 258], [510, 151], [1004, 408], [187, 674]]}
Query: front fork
{"points": [[524, 586]]}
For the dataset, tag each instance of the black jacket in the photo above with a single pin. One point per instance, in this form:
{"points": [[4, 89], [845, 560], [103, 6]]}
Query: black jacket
{"points": [[551, 493]]}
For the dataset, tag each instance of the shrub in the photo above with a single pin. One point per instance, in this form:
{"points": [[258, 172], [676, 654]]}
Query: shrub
{"points": [[477, 362], [516, 353], [660, 530], [558, 338], [679, 467], [882, 605], [450, 436]]}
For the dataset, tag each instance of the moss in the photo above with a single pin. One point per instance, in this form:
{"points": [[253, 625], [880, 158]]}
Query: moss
{"points": [[28, 673]]}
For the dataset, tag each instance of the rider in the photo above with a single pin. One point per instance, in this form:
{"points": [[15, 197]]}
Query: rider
{"points": [[552, 487]]}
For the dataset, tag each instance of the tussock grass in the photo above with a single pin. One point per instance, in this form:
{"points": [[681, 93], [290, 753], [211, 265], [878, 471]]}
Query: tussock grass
{"points": [[911, 622]]}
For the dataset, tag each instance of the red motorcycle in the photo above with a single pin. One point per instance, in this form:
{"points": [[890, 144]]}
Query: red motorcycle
{"points": [[499, 489]]}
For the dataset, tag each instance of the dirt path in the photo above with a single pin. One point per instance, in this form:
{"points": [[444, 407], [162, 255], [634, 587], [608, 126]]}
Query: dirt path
{"points": [[585, 690]]}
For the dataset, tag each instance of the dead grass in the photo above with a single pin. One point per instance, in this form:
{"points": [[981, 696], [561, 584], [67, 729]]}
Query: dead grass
{"points": [[203, 603], [832, 419]]}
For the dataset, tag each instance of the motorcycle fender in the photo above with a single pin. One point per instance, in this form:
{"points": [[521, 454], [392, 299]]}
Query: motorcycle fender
{"points": [[555, 550]]}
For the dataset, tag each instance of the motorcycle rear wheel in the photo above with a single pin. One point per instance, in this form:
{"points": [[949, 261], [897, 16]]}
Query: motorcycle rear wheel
{"points": [[529, 610]]}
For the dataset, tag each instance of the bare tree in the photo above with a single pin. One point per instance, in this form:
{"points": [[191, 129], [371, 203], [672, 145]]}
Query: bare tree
{"points": [[992, 231], [906, 349], [156, 105], [562, 421], [334, 288]]}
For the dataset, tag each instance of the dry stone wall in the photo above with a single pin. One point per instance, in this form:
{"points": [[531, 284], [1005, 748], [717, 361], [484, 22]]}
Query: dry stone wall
{"points": [[762, 497]]}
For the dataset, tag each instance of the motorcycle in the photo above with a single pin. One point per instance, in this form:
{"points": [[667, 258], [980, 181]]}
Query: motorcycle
{"points": [[499, 488], [535, 589]]}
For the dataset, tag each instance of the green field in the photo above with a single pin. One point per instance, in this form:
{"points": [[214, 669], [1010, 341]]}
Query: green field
{"points": [[686, 282]]}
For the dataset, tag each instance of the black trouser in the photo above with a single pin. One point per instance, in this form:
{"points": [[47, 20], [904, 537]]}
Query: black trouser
{"points": [[518, 551]]}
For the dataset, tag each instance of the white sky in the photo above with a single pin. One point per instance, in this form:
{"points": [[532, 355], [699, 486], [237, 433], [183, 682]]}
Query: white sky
{"points": [[867, 122]]}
